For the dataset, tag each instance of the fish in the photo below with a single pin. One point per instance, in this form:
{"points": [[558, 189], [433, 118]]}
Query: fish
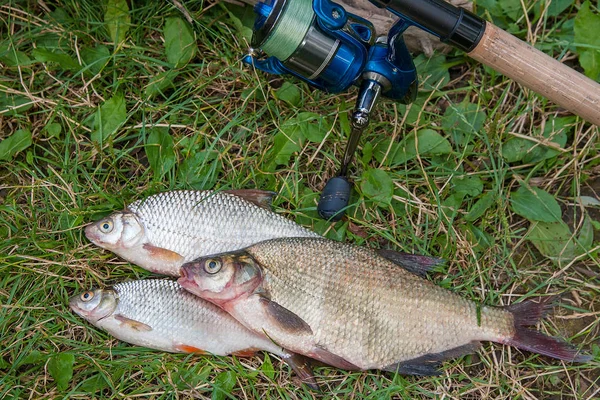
{"points": [[354, 308], [160, 314], [165, 230]]}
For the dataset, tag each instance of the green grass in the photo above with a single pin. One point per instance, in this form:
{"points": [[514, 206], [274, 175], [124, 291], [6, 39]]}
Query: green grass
{"points": [[225, 121]]}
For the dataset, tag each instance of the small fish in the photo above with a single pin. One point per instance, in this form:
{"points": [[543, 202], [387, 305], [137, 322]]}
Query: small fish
{"points": [[159, 314], [353, 308], [163, 231]]}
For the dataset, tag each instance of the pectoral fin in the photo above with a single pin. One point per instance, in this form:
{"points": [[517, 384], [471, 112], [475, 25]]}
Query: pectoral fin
{"points": [[428, 364], [284, 318], [261, 198], [184, 348], [417, 264], [133, 324], [163, 254]]}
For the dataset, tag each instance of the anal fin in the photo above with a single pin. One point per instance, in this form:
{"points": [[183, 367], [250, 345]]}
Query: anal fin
{"points": [[261, 198], [427, 365], [249, 352], [302, 366], [163, 254], [133, 324], [284, 318]]}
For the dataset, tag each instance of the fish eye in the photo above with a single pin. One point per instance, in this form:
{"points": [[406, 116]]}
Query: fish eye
{"points": [[87, 296], [106, 226], [212, 266]]}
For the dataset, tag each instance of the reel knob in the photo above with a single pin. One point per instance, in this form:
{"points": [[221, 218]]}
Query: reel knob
{"points": [[334, 198]]}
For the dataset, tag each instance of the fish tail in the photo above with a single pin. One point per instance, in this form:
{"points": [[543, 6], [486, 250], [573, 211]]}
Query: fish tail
{"points": [[529, 313]]}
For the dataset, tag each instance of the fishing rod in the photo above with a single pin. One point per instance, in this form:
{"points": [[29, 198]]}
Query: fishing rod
{"points": [[331, 49]]}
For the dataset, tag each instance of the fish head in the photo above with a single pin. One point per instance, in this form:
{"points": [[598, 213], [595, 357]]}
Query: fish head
{"points": [[120, 230], [94, 305], [221, 278]]}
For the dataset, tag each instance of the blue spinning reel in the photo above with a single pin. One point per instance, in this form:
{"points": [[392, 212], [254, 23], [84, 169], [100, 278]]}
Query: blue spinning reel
{"points": [[320, 43]]}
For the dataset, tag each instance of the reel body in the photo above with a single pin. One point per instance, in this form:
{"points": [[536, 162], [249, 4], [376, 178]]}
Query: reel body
{"points": [[320, 43]]}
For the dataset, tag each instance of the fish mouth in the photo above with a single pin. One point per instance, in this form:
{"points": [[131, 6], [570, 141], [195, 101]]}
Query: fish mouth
{"points": [[74, 307], [90, 234], [186, 281]]}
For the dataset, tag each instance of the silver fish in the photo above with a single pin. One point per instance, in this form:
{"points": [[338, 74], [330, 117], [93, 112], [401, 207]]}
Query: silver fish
{"points": [[165, 230], [352, 308], [160, 314]]}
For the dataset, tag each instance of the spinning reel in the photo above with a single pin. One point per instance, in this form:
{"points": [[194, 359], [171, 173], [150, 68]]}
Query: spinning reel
{"points": [[320, 43]]}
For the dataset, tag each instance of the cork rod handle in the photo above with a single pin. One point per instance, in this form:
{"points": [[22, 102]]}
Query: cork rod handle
{"points": [[539, 72]]}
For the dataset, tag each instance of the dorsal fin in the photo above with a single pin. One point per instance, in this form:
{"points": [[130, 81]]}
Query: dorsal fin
{"points": [[261, 198], [417, 264]]}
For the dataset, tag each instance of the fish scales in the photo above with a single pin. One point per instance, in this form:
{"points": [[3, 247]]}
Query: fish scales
{"points": [[352, 308], [381, 313], [198, 223], [177, 320], [165, 230], [160, 314]]}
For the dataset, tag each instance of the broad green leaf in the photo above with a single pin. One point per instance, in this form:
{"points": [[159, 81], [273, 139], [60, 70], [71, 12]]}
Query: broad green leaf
{"points": [[160, 151], [433, 71], [535, 204], [367, 152], [224, 383], [95, 58], [243, 19], [515, 149], [481, 206], [463, 122], [377, 186], [94, 384], [555, 240], [65, 61], [33, 357], [471, 185], [12, 105], [108, 118], [586, 33], [287, 142], [512, 8], [519, 149], [161, 82], [289, 93], [117, 20], [451, 204], [267, 367], [60, 368], [180, 44], [53, 129], [200, 171], [557, 6], [18, 141], [12, 57], [426, 142], [479, 237], [494, 7], [314, 126]]}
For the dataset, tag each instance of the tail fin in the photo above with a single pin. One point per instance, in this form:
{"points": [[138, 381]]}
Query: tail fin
{"points": [[529, 313]]}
